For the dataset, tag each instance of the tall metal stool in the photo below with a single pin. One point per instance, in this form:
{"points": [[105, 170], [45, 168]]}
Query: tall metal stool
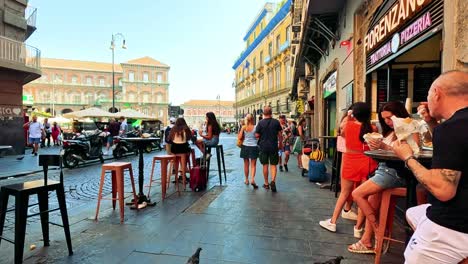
{"points": [[219, 157], [21, 192], [117, 170], [165, 160]]}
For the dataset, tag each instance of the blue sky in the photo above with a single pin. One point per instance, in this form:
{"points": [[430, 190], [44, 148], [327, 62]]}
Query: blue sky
{"points": [[200, 40]]}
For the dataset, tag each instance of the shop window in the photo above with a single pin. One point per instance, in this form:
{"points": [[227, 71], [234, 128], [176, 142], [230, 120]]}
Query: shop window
{"points": [[399, 85], [423, 78]]}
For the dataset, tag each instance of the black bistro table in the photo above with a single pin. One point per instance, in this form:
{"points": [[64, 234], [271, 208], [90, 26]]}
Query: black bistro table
{"points": [[424, 157], [141, 144]]}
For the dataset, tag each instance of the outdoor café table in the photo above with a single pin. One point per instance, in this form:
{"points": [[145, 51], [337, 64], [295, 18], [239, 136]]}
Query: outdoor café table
{"points": [[141, 144], [424, 157], [4, 148]]}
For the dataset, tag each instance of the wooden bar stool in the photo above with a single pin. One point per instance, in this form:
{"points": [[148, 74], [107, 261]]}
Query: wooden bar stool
{"points": [[41, 188], [164, 160], [117, 170], [387, 212], [219, 157]]}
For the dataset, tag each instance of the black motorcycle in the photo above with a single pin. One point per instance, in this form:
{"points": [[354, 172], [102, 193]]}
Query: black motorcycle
{"points": [[83, 147], [121, 147]]}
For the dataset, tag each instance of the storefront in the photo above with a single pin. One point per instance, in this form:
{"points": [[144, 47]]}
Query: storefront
{"points": [[403, 51], [329, 96]]}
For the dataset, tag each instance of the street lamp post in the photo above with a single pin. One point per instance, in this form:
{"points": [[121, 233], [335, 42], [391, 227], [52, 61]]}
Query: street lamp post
{"points": [[219, 107], [112, 47]]}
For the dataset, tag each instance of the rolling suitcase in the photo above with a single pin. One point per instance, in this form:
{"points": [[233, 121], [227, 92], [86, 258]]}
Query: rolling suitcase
{"points": [[198, 176]]}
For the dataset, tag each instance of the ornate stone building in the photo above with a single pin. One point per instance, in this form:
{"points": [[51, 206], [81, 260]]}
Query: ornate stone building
{"points": [[195, 111], [69, 85]]}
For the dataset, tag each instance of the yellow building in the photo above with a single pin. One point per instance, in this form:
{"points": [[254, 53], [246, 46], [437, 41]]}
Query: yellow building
{"points": [[263, 70]]}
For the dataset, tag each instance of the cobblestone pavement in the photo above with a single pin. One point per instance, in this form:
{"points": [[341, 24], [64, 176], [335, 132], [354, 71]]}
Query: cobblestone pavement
{"points": [[233, 224]]}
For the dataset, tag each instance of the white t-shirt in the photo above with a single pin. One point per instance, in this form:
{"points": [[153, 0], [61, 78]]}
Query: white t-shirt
{"points": [[35, 130]]}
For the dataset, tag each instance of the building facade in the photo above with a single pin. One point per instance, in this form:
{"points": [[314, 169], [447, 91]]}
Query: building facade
{"points": [[263, 72], [69, 85], [373, 51], [195, 112], [19, 65]]}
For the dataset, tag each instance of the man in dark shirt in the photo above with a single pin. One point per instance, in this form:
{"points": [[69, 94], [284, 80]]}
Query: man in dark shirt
{"points": [[113, 130], [268, 131], [441, 234]]}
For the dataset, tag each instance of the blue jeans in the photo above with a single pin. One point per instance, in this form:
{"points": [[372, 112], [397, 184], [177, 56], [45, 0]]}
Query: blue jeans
{"points": [[387, 178]]}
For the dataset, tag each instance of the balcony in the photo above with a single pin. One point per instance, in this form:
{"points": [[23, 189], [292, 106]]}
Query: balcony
{"points": [[21, 57], [285, 45], [30, 16]]}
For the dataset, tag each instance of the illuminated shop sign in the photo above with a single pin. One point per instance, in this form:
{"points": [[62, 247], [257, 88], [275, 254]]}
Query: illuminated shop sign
{"points": [[396, 16], [401, 38]]}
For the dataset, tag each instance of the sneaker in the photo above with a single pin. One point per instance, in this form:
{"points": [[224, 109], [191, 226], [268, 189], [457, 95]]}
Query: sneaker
{"points": [[328, 225], [286, 167], [348, 215], [357, 232], [273, 186], [281, 168]]}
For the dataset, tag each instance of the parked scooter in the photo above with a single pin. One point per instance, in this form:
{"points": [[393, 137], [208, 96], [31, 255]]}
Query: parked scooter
{"points": [[83, 147], [155, 144], [121, 147]]}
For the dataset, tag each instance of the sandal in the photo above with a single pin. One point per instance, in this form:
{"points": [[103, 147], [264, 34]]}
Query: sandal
{"points": [[266, 186], [254, 185], [246, 182], [360, 248]]}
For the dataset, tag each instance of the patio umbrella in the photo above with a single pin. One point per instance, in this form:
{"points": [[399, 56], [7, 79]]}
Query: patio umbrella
{"points": [[60, 120], [133, 114], [90, 112]]}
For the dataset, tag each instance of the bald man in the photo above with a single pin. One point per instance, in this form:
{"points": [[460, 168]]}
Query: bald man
{"points": [[441, 227]]}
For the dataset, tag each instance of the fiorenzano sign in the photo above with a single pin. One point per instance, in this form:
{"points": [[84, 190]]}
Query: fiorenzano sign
{"points": [[397, 15], [402, 38]]}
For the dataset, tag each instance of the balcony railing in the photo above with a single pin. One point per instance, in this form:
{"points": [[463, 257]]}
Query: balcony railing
{"points": [[30, 14], [18, 52], [284, 46]]}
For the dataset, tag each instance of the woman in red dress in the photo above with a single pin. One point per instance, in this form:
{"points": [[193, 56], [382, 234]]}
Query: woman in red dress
{"points": [[356, 166]]}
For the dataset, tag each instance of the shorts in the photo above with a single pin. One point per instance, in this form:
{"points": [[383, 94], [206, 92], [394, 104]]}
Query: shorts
{"points": [[110, 140], [249, 152], [269, 158], [387, 178], [211, 142], [180, 148], [34, 140], [433, 243], [286, 148]]}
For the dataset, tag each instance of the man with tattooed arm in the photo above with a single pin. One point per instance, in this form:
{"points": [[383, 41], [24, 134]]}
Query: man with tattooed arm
{"points": [[441, 227]]}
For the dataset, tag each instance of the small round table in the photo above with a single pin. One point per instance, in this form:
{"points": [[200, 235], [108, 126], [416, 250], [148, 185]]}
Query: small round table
{"points": [[5, 148], [141, 144]]}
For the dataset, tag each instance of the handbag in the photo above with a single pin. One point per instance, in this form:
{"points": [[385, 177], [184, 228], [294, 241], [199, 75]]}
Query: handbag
{"points": [[297, 147], [241, 140], [341, 144]]}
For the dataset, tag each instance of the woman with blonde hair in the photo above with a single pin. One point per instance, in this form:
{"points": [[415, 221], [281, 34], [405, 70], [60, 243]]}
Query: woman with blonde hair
{"points": [[249, 149]]}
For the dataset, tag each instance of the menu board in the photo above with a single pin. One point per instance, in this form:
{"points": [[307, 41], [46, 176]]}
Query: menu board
{"points": [[382, 85]]}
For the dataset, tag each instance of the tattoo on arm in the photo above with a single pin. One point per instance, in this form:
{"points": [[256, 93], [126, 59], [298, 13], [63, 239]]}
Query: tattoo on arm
{"points": [[419, 172], [450, 176]]}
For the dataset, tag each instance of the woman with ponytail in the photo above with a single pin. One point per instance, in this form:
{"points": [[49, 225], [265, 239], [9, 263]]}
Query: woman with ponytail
{"points": [[356, 166]]}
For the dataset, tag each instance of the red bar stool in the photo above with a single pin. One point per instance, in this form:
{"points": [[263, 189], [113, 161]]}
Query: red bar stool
{"points": [[387, 212], [117, 169], [164, 160]]}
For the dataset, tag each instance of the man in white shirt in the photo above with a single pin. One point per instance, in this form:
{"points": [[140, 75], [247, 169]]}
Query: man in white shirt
{"points": [[36, 130]]}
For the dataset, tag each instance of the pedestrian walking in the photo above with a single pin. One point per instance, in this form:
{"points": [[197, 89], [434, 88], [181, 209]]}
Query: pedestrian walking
{"points": [[167, 131], [47, 133], [56, 130], [123, 126], [268, 131], [113, 129], [249, 150], [299, 138], [441, 228], [36, 130], [286, 149]]}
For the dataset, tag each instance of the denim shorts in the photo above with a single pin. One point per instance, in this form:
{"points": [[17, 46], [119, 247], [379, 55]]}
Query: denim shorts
{"points": [[387, 178], [34, 140], [211, 142]]}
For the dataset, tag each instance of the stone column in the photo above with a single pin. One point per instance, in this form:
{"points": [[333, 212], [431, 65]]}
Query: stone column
{"points": [[455, 36]]}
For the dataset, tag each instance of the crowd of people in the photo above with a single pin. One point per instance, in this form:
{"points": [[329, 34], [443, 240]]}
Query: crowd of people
{"points": [[440, 221], [40, 134]]}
